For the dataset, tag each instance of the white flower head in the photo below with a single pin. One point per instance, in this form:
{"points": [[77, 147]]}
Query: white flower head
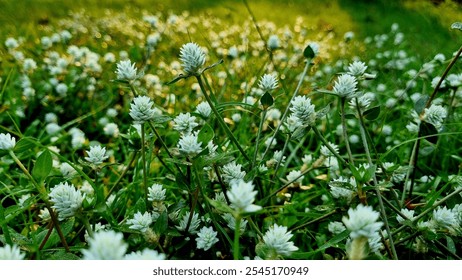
{"points": [[67, 200], [406, 212], [277, 239], [229, 218], [189, 144], [274, 42], [295, 176], [105, 245], [303, 110], [96, 155], [345, 85], [7, 142], [11, 253], [232, 173], [146, 254], [185, 123], [357, 68], [445, 218], [435, 115], [195, 222], [67, 170], [206, 238], [204, 109], [336, 227], [241, 196], [362, 222], [141, 109], [156, 193], [126, 70], [268, 82], [140, 221], [192, 58]]}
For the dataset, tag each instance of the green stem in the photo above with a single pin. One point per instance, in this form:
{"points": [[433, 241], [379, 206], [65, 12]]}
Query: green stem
{"points": [[237, 226], [143, 159], [344, 129], [257, 142], [132, 159], [220, 119], [324, 141], [282, 154]]}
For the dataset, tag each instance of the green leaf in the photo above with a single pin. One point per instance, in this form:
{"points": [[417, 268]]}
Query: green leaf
{"points": [[457, 25], [54, 239], [43, 166], [161, 224], [322, 112], [308, 52], [420, 104], [266, 100], [25, 144], [63, 255], [372, 113], [205, 134], [220, 206], [161, 119], [450, 244], [336, 239], [429, 131]]}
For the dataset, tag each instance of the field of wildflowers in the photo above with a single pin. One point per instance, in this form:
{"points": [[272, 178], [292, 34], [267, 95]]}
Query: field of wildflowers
{"points": [[184, 136]]}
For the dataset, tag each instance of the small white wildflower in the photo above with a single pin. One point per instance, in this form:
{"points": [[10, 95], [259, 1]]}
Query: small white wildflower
{"points": [[192, 58], [342, 188], [52, 128], [204, 109], [67, 170], [44, 215], [51, 118], [195, 222], [268, 82], [105, 245], [29, 65], [96, 155], [87, 189], [273, 42], [126, 70], [206, 238], [303, 110], [11, 253], [11, 43], [185, 123], [229, 218], [326, 152], [140, 221], [336, 227], [295, 176], [241, 196], [277, 241], [46, 42], [444, 217], [111, 112], [435, 115], [406, 212], [7, 142], [232, 173], [362, 222], [61, 89], [348, 36], [146, 254], [233, 52], [357, 68], [156, 193], [345, 85], [278, 156], [236, 117], [189, 144], [111, 129], [141, 109], [23, 199], [67, 200]]}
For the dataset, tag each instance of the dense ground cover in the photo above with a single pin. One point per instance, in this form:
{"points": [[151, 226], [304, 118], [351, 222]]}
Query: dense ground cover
{"points": [[326, 131]]}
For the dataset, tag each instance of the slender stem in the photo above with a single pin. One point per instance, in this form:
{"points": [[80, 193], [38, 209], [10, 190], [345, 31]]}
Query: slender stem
{"points": [[237, 226], [257, 142], [314, 221], [220, 119], [362, 130], [43, 193], [324, 141], [132, 159], [344, 129], [282, 155], [86, 223], [143, 159], [286, 112]]}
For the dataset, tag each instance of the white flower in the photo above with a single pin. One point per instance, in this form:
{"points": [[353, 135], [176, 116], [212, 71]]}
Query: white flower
{"points": [[52, 128], [336, 227], [326, 152], [51, 118], [111, 129], [67, 170], [268, 82], [292, 123], [141, 109], [192, 58], [295, 176], [156, 193], [435, 115], [362, 222], [342, 188], [126, 70], [277, 239], [444, 217], [357, 68], [29, 65], [189, 144], [232, 173], [345, 85], [241, 196], [11, 253], [96, 155], [303, 110], [7, 142], [185, 123], [146, 254], [195, 221], [140, 221], [204, 109], [406, 212], [11, 43], [229, 218], [273, 42], [67, 200], [61, 89], [206, 238], [105, 245]]}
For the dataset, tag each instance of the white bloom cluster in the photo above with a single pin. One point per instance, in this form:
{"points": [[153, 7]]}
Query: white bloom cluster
{"points": [[241, 196], [295, 176], [192, 58], [204, 109], [268, 82], [277, 239], [189, 144], [105, 245], [11, 253], [156, 193], [273, 42], [435, 115], [195, 222], [67, 170], [67, 200], [362, 222], [336, 227], [345, 86], [444, 218], [126, 70], [357, 68], [407, 213], [303, 110], [206, 238], [140, 221], [141, 109], [232, 173], [7, 142], [96, 155], [185, 123], [146, 254], [229, 218], [342, 188]]}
